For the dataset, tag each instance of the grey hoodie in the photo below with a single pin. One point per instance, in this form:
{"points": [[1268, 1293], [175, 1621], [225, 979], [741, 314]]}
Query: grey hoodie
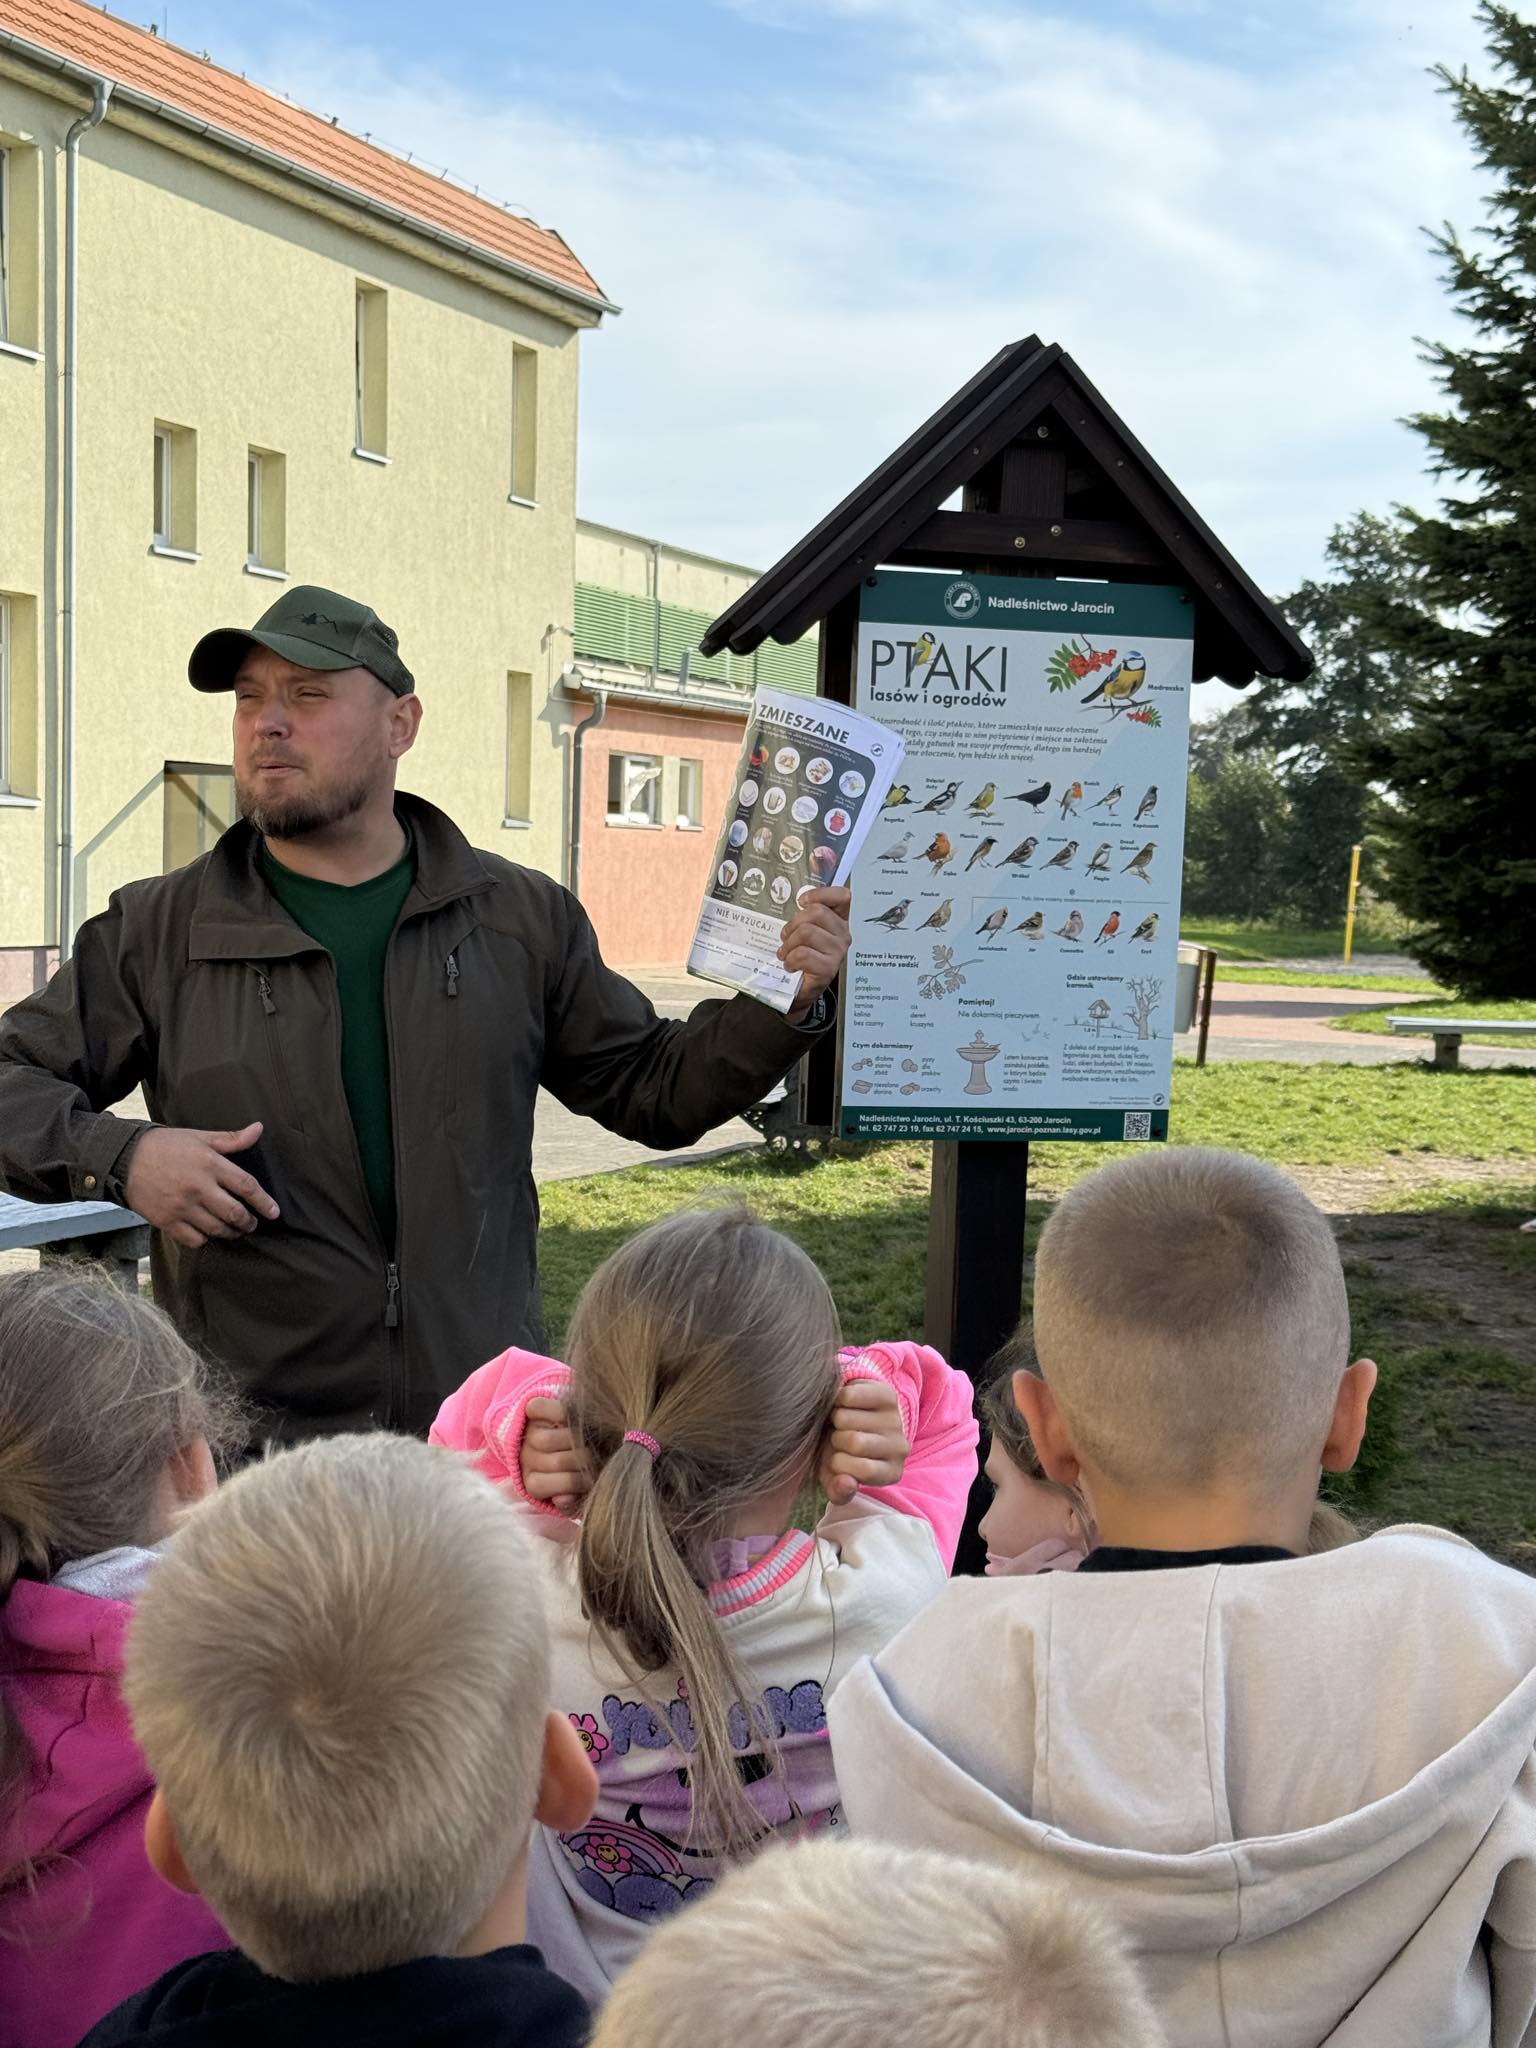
{"points": [[1306, 1789]]}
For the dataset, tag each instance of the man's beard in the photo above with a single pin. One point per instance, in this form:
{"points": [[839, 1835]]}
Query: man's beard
{"points": [[296, 817]]}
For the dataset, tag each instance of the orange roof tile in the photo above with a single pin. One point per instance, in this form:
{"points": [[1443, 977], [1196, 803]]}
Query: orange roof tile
{"points": [[140, 62]]}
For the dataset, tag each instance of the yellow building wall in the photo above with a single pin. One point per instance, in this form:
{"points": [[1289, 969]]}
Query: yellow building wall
{"points": [[215, 306], [26, 514]]}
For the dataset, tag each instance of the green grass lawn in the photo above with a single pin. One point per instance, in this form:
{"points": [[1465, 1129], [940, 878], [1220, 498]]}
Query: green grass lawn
{"points": [[1342, 1115], [1376, 934], [1443, 1004], [1290, 977], [1440, 1279]]}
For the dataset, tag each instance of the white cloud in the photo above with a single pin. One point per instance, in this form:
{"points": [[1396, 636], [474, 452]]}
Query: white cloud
{"points": [[1233, 253]]}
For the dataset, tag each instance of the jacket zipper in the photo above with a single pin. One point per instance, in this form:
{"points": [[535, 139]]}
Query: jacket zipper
{"points": [[395, 1376], [392, 1310], [451, 1038], [391, 1267], [279, 1065]]}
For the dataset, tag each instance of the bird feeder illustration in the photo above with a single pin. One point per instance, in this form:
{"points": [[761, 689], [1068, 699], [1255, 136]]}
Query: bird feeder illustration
{"points": [[978, 1053], [1098, 1015]]}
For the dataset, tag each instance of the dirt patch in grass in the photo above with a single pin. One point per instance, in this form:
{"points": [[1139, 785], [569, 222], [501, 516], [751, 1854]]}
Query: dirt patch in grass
{"points": [[1502, 1422], [1338, 1189], [1442, 1296], [1442, 1274]]}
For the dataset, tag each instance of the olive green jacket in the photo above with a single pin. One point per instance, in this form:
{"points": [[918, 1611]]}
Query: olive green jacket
{"points": [[198, 986]]}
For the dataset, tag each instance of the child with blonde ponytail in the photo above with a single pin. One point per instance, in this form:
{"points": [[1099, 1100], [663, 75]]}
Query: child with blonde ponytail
{"points": [[698, 1633], [107, 1430]]}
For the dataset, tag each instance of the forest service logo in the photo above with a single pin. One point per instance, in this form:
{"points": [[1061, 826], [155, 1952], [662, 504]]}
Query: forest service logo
{"points": [[962, 600]]}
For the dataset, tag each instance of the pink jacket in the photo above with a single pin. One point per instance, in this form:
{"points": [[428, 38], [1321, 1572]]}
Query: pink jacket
{"points": [[486, 1417], [99, 1923]]}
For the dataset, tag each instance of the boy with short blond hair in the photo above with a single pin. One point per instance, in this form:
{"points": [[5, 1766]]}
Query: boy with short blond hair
{"points": [[339, 1675], [1305, 1785], [835, 1944], [1192, 1328]]}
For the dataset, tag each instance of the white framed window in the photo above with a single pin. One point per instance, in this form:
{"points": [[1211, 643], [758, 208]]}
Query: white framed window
{"points": [[370, 430], [634, 789], [161, 531], [252, 510], [199, 805], [174, 529], [19, 703], [19, 728], [7, 237], [518, 796], [20, 205], [5, 696], [690, 792], [266, 539], [525, 426]]}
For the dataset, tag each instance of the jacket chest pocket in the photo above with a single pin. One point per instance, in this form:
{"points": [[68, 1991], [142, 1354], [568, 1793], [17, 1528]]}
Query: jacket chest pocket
{"points": [[277, 1057], [490, 1040]]}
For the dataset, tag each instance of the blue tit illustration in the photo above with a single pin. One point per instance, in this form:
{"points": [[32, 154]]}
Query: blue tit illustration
{"points": [[1122, 682]]}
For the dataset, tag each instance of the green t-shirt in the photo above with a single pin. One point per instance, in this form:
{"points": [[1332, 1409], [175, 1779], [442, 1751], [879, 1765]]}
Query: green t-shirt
{"points": [[354, 925]]}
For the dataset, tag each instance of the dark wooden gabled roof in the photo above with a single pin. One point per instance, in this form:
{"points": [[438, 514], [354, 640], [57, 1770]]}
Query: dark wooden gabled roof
{"points": [[1122, 517]]}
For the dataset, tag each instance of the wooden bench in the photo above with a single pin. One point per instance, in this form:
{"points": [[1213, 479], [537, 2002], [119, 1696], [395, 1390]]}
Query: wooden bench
{"points": [[1448, 1032], [61, 1232]]}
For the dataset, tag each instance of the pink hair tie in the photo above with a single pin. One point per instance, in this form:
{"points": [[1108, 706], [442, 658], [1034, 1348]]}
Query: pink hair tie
{"points": [[644, 1439]]}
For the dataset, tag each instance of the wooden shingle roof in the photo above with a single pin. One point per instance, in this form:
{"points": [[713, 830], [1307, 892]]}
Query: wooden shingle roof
{"points": [[1122, 512]]}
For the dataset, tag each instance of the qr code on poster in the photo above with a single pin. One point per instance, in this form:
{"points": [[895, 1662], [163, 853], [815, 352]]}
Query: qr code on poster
{"points": [[1138, 1123]]}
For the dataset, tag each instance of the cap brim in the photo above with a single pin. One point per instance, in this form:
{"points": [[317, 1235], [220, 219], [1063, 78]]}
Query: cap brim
{"points": [[215, 660]]}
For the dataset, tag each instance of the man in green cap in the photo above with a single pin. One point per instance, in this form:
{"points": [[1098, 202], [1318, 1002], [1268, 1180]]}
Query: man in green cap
{"points": [[340, 1018]]}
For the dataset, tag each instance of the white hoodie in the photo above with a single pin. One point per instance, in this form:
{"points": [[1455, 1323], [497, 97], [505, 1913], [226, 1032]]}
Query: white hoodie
{"points": [[1306, 1789]]}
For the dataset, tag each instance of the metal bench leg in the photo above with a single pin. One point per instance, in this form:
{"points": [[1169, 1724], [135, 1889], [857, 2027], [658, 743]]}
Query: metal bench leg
{"points": [[116, 1252], [1447, 1051]]}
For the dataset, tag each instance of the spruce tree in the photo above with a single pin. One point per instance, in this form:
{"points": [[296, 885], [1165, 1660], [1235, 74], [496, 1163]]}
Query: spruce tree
{"points": [[1460, 770]]}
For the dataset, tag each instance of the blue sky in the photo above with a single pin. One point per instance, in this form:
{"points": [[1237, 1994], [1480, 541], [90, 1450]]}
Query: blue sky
{"points": [[820, 216]]}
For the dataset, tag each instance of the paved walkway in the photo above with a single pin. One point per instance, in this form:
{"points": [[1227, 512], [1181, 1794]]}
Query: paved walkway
{"points": [[565, 1146], [1397, 965]]}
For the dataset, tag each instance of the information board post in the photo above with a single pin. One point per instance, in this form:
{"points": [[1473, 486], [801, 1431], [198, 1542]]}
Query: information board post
{"points": [[1017, 921], [1053, 898], [977, 1194]]}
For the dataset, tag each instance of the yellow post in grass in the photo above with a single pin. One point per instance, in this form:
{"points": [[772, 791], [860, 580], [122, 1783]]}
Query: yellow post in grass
{"points": [[1349, 915]]}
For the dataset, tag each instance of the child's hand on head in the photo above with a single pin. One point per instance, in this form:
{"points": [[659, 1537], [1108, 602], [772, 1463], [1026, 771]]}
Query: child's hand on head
{"points": [[867, 1445], [554, 1469]]}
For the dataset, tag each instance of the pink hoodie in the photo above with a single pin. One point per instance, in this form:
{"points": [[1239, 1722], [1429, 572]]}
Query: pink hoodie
{"points": [[98, 1923], [488, 1414]]}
